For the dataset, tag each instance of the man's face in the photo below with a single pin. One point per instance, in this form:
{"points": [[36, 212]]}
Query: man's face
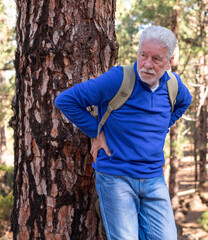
{"points": [[152, 62]]}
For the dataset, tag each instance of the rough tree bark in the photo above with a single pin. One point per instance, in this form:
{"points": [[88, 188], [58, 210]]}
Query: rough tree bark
{"points": [[60, 43]]}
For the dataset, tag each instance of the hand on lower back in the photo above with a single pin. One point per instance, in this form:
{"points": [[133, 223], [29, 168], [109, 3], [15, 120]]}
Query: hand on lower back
{"points": [[97, 144]]}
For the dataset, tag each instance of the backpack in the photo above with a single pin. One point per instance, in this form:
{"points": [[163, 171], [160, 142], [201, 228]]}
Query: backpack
{"points": [[126, 90]]}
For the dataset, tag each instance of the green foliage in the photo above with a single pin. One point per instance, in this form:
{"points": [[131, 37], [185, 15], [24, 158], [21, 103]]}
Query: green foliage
{"points": [[204, 220], [6, 180], [192, 37], [6, 96], [6, 204], [132, 16], [127, 29], [6, 198], [6, 168]]}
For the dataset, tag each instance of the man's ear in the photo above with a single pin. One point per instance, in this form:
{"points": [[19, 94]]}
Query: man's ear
{"points": [[170, 63]]}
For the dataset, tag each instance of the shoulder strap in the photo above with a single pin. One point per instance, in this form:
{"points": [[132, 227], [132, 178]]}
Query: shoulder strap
{"points": [[121, 96], [172, 85]]}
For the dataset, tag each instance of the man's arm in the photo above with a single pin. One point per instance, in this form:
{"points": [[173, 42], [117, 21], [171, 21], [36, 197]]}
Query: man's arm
{"points": [[73, 106], [99, 91], [183, 100]]}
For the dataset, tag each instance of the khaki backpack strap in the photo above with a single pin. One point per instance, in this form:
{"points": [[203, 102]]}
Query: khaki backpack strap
{"points": [[121, 96], [172, 85]]}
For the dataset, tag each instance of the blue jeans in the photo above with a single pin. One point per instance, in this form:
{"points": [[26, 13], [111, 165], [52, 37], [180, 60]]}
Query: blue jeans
{"points": [[135, 209]]}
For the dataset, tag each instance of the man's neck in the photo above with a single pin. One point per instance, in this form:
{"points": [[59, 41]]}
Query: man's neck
{"points": [[155, 86]]}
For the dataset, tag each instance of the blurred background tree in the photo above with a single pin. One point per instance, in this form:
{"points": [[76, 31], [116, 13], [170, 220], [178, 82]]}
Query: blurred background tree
{"points": [[7, 79], [7, 50]]}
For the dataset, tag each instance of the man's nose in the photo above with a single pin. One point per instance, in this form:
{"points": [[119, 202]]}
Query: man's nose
{"points": [[148, 63]]}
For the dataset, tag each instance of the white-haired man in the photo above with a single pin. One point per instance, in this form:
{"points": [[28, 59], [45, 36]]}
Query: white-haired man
{"points": [[128, 155]]}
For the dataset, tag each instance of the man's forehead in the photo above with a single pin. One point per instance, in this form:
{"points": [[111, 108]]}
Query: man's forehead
{"points": [[151, 53], [153, 47]]}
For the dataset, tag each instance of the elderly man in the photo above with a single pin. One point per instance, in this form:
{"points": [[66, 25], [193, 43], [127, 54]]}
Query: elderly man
{"points": [[128, 155]]}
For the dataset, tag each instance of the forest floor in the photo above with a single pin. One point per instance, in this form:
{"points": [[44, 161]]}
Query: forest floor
{"points": [[190, 205]]}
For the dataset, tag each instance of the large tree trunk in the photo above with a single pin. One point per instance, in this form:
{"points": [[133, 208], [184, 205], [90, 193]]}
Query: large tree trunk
{"points": [[60, 43]]}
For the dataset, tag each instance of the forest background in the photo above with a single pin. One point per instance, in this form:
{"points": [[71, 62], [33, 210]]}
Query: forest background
{"points": [[188, 19]]}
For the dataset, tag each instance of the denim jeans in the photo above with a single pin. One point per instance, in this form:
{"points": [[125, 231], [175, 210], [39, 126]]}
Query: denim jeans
{"points": [[135, 209]]}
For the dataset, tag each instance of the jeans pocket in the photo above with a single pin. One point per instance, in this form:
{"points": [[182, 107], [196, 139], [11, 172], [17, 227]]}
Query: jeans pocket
{"points": [[100, 177], [105, 179]]}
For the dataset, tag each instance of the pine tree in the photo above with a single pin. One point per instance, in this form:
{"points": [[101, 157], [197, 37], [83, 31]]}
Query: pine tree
{"points": [[60, 43]]}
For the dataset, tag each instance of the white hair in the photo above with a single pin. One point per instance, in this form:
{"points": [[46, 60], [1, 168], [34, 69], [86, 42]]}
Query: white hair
{"points": [[162, 35]]}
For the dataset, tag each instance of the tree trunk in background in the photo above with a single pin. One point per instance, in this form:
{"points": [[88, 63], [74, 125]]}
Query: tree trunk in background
{"points": [[203, 181], [203, 143], [196, 125], [174, 161], [60, 43]]}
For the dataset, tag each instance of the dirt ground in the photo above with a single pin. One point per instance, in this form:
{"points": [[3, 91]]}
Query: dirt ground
{"points": [[190, 205]]}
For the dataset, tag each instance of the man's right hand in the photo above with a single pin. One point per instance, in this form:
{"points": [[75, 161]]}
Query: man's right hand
{"points": [[97, 144]]}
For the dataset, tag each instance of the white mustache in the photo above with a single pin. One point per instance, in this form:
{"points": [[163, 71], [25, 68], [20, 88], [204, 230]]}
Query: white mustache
{"points": [[147, 71]]}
